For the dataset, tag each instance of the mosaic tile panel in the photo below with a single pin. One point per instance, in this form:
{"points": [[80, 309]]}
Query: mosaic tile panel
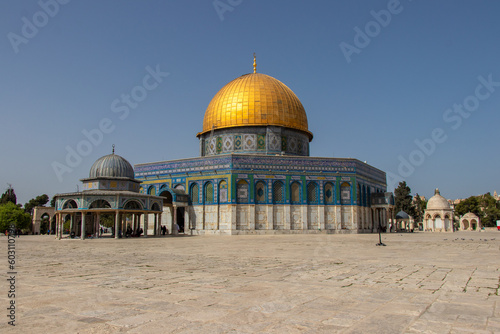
{"points": [[292, 145], [249, 142], [219, 145], [211, 146], [274, 142], [261, 142], [237, 143], [227, 143]]}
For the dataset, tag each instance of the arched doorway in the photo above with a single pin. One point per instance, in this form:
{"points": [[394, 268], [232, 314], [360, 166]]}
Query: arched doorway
{"points": [[44, 223], [438, 223], [465, 223], [180, 219], [473, 224]]}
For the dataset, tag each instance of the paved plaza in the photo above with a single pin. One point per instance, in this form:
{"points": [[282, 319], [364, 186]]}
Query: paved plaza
{"points": [[418, 283]]}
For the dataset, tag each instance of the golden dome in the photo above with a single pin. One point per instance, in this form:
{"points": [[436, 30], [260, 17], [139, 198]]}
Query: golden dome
{"points": [[255, 99]]}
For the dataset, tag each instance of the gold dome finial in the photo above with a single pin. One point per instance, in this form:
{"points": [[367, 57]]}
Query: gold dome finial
{"points": [[254, 63]]}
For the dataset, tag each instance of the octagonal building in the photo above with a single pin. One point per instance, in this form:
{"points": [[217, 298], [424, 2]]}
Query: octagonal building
{"points": [[254, 174]]}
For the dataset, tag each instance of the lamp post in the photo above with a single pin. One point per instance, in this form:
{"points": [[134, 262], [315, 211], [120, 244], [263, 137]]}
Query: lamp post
{"points": [[380, 243]]}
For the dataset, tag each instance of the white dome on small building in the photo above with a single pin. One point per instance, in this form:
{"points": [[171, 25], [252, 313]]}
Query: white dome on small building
{"points": [[438, 202], [438, 216]]}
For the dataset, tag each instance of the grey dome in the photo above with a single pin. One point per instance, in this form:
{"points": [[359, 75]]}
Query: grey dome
{"points": [[111, 165], [402, 215]]}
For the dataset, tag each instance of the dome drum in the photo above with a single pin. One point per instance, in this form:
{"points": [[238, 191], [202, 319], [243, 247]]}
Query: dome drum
{"points": [[258, 139], [111, 172]]}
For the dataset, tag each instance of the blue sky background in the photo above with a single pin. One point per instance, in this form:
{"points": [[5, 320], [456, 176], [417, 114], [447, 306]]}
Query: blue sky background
{"points": [[393, 92]]}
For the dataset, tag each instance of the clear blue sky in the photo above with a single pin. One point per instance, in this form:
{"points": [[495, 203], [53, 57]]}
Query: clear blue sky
{"points": [[395, 90]]}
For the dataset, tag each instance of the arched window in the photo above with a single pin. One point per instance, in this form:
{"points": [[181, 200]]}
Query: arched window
{"points": [[180, 187], [194, 193], [152, 190], [71, 204], [278, 192], [132, 205], [295, 193], [100, 204], [242, 191], [208, 194], [329, 191], [168, 199], [260, 192], [345, 193], [222, 191], [312, 193]]}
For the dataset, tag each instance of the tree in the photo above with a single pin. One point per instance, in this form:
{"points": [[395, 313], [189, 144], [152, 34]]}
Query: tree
{"points": [[470, 204], [53, 202], [419, 205], [8, 196], [107, 220], [403, 199], [490, 209], [11, 214], [37, 201]]}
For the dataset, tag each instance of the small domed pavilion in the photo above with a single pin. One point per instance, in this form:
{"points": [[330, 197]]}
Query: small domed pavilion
{"points": [[470, 222], [438, 216], [110, 189]]}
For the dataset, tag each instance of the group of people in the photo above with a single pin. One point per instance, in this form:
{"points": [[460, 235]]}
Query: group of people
{"points": [[137, 233], [176, 229], [131, 233]]}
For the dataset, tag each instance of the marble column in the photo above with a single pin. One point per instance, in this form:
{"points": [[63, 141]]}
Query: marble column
{"points": [[159, 224], [83, 226], [117, 223]]}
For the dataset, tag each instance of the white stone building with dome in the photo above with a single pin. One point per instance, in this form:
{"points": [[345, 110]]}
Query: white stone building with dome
{"points": [[438, 216]]}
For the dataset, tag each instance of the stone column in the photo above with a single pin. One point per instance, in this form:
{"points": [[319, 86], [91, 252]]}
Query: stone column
{"points": [[155, 224], [62, 227], [83, 226], [98, 224], [117, 223], [142, 217], [58, 222], [57, 226], [187, 221], [71, 222], [158, 225], [174, 216]]}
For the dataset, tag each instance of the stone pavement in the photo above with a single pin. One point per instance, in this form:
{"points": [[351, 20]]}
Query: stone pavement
{"points": [[418, 283]]}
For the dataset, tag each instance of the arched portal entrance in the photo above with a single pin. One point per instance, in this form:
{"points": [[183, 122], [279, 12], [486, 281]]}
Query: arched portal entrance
{"points": [[180, 219]]}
